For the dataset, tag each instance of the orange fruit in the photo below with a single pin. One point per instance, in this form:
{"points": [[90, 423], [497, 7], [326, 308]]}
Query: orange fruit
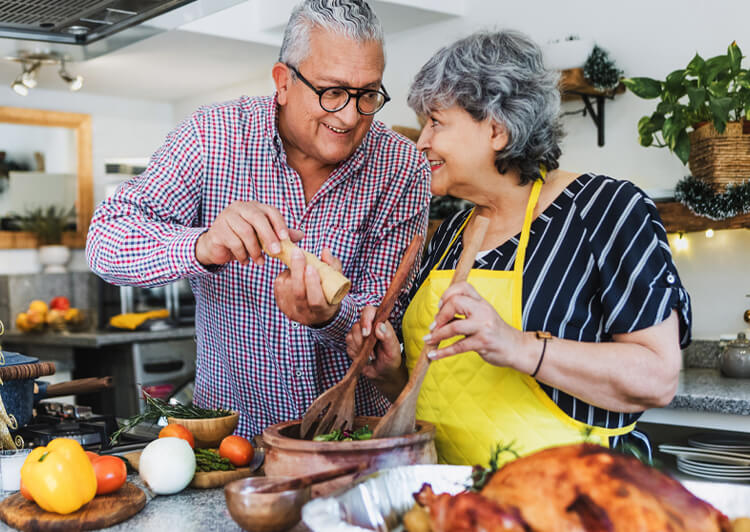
{"points": [[39, 306], [237, 450], [175, 430]]}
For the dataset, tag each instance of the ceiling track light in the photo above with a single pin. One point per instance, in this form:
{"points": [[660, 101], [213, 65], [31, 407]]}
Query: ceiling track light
{"points": [[31, 63]]}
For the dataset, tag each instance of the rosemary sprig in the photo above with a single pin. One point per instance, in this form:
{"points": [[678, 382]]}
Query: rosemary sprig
{"points": [[157, 408], [481, 475]]}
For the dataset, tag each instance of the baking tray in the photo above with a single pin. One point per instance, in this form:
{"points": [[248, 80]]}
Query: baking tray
{"points": [[379, 501]]}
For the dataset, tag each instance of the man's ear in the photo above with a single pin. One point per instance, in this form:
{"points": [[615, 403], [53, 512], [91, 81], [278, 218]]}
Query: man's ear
{"points": [[282, 77], [498, 135]]}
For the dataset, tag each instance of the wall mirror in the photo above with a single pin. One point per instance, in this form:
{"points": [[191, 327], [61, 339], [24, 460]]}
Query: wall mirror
{"points": [[47, 162]]}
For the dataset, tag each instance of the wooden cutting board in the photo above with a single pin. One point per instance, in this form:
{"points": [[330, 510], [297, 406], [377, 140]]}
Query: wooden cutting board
{"points": [[210, 479], [101, 512]]}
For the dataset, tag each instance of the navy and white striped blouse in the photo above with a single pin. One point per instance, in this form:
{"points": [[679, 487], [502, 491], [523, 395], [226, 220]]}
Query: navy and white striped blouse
{"points": [[597, 264]]}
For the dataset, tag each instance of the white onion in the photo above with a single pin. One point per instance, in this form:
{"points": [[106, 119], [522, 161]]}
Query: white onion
{"points": [[167, 465]]}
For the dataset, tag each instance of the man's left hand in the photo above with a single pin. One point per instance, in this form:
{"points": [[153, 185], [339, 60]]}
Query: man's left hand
{"points": [[299, 294]]}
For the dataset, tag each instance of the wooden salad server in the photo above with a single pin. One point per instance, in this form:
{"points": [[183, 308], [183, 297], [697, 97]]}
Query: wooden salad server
{"points": [[401, 416], [307, 480], [334, 408]]}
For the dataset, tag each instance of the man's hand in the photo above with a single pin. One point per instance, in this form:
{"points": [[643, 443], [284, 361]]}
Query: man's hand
{"points": [[299, 294], [239, 233]]}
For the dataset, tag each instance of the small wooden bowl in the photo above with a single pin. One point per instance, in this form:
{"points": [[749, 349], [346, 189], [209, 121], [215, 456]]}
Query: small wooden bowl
{"points": [[264, 512], [209, 431]]}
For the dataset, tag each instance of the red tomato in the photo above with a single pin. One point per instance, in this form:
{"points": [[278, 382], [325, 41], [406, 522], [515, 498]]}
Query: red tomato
{"points": [[59, 303], [237, 450], [111, 474], [92, 456], [175, 430], [26, 494]]}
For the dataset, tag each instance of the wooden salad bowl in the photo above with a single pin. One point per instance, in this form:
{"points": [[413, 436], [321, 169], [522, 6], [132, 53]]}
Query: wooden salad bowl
{"points": [[209, 431], [287, 454]]}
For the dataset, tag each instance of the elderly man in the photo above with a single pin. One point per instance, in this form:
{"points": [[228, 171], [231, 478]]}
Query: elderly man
{"points": [[308, 163]]}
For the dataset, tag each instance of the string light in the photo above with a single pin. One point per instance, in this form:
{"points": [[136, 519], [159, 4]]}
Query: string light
{"points": [[681, 244], [709, 233]]}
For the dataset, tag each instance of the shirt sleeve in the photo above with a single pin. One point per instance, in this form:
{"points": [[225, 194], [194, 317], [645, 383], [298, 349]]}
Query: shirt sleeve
{"points": [[640, 285], [145, 233], [381, 255]]}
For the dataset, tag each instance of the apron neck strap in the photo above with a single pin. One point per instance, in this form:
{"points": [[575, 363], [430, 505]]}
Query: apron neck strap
{"points": [[530, 206], [526, 231]]}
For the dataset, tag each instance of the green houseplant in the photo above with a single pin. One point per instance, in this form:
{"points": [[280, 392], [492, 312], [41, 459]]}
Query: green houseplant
{"points": [[714, 90], [48, 225]]}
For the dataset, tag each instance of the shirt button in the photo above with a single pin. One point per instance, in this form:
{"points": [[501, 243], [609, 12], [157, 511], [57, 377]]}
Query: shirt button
{"points": [[670, 278], [298, 373], [295, 325]]}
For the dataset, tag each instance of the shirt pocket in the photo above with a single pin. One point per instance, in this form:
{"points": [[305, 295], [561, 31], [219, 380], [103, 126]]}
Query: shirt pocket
{"points": [[345, 245]]}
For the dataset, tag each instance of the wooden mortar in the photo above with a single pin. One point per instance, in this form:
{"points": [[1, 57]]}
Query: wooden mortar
{"points": [[288, 455]]}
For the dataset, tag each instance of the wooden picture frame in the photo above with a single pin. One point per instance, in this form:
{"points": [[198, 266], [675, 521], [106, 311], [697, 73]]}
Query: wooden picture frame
{"points": [[81, 124]]}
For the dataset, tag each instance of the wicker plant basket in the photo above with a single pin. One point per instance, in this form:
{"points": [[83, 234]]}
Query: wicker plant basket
{"points": [[721, 159]]}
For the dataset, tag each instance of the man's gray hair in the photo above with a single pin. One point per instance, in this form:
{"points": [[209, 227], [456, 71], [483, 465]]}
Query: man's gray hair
{"points": [[352, 18], [499, 75]]}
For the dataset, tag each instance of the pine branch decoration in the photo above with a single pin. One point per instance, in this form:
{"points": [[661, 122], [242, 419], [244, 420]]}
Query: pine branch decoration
{"points": [[700, 197], [600, 70]]}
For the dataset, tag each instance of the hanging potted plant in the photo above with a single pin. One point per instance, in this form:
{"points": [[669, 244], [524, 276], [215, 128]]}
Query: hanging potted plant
{"points": [[48, 225], [701, 117]]}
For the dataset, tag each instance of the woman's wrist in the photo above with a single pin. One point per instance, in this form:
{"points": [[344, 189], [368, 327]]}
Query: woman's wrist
{"points": [[529, 354]]}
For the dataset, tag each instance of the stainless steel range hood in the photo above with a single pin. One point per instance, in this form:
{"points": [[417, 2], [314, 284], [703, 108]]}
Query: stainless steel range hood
{"points": [[83, 29]]}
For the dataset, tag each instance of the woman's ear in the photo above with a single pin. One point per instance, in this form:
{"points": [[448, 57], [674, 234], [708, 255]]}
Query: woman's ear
{"points": [[498, 135], [281, 78]]}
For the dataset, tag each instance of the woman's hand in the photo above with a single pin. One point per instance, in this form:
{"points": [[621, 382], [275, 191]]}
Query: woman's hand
{"points": [[484, 330], [387, 361]]}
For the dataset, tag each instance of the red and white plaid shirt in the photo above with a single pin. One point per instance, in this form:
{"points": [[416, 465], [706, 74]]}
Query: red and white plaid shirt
{"points": [[251, 357]]}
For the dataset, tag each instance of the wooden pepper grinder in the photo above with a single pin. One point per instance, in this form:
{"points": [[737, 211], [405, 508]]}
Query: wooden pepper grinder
{"points": [[335, 285]]}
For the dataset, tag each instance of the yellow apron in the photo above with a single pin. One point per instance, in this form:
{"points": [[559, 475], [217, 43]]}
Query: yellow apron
{"points": [[476, 405]]}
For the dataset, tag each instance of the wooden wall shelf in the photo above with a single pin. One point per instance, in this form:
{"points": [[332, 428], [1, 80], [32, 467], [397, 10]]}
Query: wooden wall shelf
{"points": [[679, 219], [574, 86]]}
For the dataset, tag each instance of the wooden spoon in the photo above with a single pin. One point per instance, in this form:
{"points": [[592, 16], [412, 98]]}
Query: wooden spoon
{"points": [[307, 480], [334, 408], [401, 416]]}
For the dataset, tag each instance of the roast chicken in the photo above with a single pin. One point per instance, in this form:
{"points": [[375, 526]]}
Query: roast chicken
{"points": [[574, 488]]}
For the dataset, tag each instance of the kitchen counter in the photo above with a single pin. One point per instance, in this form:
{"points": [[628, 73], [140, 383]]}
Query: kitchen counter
{"points": [[202, 510], [96, 338], [706, 399]]}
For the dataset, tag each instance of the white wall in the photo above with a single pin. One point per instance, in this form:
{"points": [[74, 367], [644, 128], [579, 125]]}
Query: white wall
{"points": [[120, 128], [253, 87], [645, 38]]}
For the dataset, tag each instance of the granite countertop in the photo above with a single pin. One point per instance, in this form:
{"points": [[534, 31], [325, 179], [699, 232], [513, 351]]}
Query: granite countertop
{"points": [[202, 510], [706, 390], [96, 338]]}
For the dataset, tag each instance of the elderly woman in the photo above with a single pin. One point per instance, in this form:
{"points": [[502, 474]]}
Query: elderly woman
{"points": [[571, 322]]}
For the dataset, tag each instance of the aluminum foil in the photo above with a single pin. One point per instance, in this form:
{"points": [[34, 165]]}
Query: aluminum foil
{"points": [[379, 501]]}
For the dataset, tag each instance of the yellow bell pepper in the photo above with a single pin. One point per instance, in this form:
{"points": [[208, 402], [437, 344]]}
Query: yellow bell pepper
{"points": [[60, 476]]}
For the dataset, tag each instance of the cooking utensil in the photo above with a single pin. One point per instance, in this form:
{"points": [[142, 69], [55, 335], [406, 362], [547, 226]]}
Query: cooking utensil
{"points": [[308, 480], [334, 284], [400, 418], [335, 407]]}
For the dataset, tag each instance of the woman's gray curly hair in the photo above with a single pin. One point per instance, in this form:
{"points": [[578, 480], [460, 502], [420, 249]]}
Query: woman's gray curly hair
{"points": [[352, 18], [499, 75]]}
